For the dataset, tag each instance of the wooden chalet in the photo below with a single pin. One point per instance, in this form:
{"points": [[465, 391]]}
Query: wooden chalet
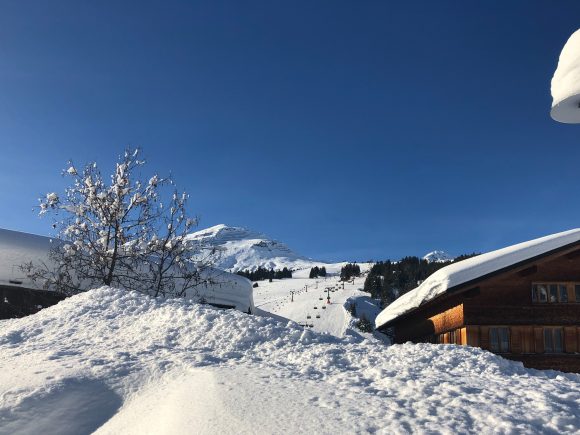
{"points": [[521, 302]]}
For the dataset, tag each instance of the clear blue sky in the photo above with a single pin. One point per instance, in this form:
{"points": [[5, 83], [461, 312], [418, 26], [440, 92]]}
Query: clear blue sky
{"points": [[349, 130]]}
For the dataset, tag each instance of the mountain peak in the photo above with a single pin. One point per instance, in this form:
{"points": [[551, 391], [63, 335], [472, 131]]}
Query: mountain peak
{"points": [[437, 257], [244, 249]]}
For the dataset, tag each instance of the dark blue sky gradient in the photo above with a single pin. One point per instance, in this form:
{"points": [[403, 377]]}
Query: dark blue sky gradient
{"points": [[349, 130]]}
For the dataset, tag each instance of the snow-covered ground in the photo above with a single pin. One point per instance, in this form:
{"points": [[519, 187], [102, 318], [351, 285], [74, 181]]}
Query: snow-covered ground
{"points": [[116, 362]]}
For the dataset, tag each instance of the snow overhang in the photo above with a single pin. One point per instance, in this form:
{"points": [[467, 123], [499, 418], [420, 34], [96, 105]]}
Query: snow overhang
{"points": [[566, 83]]}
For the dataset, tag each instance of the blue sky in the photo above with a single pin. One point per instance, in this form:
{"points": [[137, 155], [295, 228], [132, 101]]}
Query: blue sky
{"points": [[349, 130]]}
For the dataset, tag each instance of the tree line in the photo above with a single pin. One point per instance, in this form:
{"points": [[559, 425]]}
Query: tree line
{"points": [[261, 274], [316, 271], [349, 271], [389, 280]]}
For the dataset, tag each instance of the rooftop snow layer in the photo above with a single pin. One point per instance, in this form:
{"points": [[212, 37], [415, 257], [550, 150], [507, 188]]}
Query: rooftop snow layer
{"points": [[473, 268], [566, 83], [17, 249]]}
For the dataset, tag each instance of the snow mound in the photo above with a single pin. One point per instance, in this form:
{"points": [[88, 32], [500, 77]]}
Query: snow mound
{"points": [[437, 257], [473, 268], [243, 249], [121, 362], [566, 83]]}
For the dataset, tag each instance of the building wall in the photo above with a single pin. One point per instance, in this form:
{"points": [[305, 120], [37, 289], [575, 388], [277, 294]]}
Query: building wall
{"points": [[438, 320], [509, 295], [505, 301]]}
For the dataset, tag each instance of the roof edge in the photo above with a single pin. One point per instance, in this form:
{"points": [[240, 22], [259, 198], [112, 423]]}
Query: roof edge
{"points": [[468, 284]]}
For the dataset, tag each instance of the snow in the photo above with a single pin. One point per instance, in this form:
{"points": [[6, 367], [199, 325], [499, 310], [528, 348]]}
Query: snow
{"points": [[437, 257], [566, 83], [243, 249], [114, 362], [18, 248], [472, 268], [274, 299]]}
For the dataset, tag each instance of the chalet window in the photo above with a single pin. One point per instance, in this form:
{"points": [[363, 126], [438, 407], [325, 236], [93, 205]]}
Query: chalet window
{"points": [[553, 340], [551, 293], [539, 293], [563, 293], [499, 339]]}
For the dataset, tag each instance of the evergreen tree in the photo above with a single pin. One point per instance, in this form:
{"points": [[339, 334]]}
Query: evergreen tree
{"points": [[348, 271]]}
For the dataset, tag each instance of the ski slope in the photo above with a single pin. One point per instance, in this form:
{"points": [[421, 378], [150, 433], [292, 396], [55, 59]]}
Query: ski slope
{"points": [[310, 299]]}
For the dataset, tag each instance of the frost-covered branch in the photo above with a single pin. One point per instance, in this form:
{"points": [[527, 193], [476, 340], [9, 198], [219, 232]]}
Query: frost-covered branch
{"points": [[126, 232]]}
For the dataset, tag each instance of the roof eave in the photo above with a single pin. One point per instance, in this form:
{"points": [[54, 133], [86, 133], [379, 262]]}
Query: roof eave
{"points": [[471, 283]]}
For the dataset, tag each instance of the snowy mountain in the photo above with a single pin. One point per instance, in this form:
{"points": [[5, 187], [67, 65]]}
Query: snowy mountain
{"points": [[243, 249], [437, 257]]}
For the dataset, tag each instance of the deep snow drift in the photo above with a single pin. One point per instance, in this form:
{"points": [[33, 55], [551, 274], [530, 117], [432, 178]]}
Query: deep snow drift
{"points": [[243, 249], [119, 362]]}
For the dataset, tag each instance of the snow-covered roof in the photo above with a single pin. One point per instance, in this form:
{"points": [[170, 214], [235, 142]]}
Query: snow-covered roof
{"points": [[472, 269], [566, 83], [17, 249]]}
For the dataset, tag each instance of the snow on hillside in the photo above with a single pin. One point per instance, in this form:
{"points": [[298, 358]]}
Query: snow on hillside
{"points": [[437, 257], [243, 249], [114, 362]]}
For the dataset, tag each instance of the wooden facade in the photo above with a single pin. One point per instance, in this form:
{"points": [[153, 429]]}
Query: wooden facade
{"points": [[528, 312]]}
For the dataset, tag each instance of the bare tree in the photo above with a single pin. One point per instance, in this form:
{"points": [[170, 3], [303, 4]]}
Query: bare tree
{"points": [[120, 233]]}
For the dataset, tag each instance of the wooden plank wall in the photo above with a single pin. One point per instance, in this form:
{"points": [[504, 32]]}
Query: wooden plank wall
{"points": [[523, 339]]}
